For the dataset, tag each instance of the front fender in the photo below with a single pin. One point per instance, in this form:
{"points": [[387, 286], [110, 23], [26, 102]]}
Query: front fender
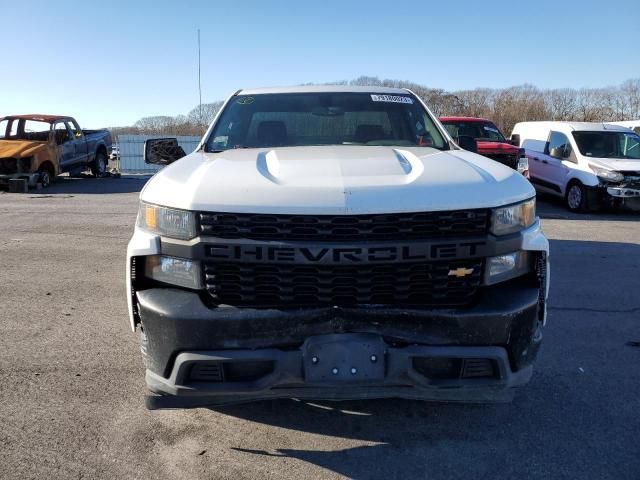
{"points": [[587, 178], [142, 243]]}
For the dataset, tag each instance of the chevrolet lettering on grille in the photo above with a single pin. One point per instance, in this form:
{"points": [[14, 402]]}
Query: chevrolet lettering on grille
{"points": [[253, 253]]}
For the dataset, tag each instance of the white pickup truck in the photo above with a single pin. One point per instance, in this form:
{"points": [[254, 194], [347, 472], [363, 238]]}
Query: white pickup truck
{"points": [[334, 242]]}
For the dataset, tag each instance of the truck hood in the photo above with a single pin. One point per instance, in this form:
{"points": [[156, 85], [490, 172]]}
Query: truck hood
{"points": [[485, 148], [335, 180], [619, 165], [20, 148]]}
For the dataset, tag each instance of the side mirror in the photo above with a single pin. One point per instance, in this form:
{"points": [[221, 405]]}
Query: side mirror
{"points": [[557, 152], [468, 143], [162, 151], [515, 140]]}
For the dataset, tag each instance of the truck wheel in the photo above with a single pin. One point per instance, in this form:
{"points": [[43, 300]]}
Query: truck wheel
{"points": [[576, 197], [45, 176], [99, 165]]}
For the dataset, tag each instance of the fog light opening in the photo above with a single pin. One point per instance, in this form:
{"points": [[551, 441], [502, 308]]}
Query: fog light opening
{"points": [[506, 267]]}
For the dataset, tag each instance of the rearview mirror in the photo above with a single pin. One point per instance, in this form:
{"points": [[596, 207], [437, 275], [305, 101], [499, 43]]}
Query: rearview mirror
{"points": [[162, 151], [515, 140], [468, 143]]}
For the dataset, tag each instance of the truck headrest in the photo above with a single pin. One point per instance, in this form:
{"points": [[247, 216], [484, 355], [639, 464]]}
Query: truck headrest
{"points": [[272, 133], [368, 132]]}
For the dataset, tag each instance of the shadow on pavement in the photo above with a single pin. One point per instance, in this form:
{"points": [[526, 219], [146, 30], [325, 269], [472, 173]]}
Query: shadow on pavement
{"points": [[550, 207], [395, 428], [552, 428], [429, 440], [90, 185]]}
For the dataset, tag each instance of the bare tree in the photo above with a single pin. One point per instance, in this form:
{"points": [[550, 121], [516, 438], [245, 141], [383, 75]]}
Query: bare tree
{"points": [[365, 81], [518, 104], [631, 93], [505, 106], [209, 111], [561, 103], [475, 103], [585, 105]]}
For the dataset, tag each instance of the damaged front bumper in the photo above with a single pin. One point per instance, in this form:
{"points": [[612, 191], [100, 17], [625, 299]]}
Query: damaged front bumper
{"points": [[623, 192], [31, 178], [625, 195], [197, 356]]}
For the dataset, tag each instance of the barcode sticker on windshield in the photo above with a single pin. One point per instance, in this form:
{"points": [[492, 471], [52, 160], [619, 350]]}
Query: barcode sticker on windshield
{"points": [[391, 98]]}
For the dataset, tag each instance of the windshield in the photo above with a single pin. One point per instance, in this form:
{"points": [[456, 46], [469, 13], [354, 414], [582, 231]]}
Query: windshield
{"points": [[20, 129], [325, 118], [486, 131], [623, 145]]}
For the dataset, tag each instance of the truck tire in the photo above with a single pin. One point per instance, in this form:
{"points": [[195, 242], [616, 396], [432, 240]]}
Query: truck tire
{"points": [[99, 165], [576, 197], [45, 176]]}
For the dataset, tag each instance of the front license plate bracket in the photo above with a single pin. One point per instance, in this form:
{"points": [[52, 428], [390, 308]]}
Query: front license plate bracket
{"points": [[344, 358]]}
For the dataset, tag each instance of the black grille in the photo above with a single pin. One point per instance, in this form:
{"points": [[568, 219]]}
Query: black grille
{"points": [[451, 368], [632, 179], [478, 367], [231, 371], [510, 160], [8, 166], [255, 284], [206, 372], [405, 226]]}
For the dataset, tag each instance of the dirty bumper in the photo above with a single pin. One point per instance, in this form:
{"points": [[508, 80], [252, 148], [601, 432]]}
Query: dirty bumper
{"points": [[31, 178], [198, 356]]}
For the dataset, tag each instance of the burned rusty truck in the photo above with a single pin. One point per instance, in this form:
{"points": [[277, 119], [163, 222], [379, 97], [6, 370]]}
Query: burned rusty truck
{"points": [[37, 148], [334, 243]]}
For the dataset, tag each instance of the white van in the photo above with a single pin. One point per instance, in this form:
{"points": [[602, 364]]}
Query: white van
{"points": [[588, 164], [632, 124]]}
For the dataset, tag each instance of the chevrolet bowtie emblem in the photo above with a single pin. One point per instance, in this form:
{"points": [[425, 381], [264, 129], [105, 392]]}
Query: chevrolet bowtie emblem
{"points": [[460, 272]]}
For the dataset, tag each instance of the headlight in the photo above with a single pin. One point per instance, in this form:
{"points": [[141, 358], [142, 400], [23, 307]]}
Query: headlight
{"points": [[608, 175], [168, 222], [511, 219], [175, 271], [523, 165], [506, 267]]}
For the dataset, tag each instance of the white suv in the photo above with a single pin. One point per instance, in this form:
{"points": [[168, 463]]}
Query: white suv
{"points": [[588, 164]]}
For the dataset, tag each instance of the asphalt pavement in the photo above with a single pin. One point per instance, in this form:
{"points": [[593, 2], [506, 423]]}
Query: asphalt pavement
{"points": [[72, 381]]}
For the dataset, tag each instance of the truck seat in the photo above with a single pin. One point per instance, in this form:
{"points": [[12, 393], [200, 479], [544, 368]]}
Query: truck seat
{"points": [[367, 132], [272, 133]]}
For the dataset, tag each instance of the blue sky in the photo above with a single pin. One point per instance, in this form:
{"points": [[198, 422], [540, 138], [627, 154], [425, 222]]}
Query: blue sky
{"points": [[110, 63]]}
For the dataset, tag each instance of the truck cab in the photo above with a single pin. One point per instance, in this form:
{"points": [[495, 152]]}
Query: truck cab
{"points": [[490, 141]]}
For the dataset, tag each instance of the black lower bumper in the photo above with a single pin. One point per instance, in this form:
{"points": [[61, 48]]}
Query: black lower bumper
{"points": [[250, 354], [339, 375]]}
